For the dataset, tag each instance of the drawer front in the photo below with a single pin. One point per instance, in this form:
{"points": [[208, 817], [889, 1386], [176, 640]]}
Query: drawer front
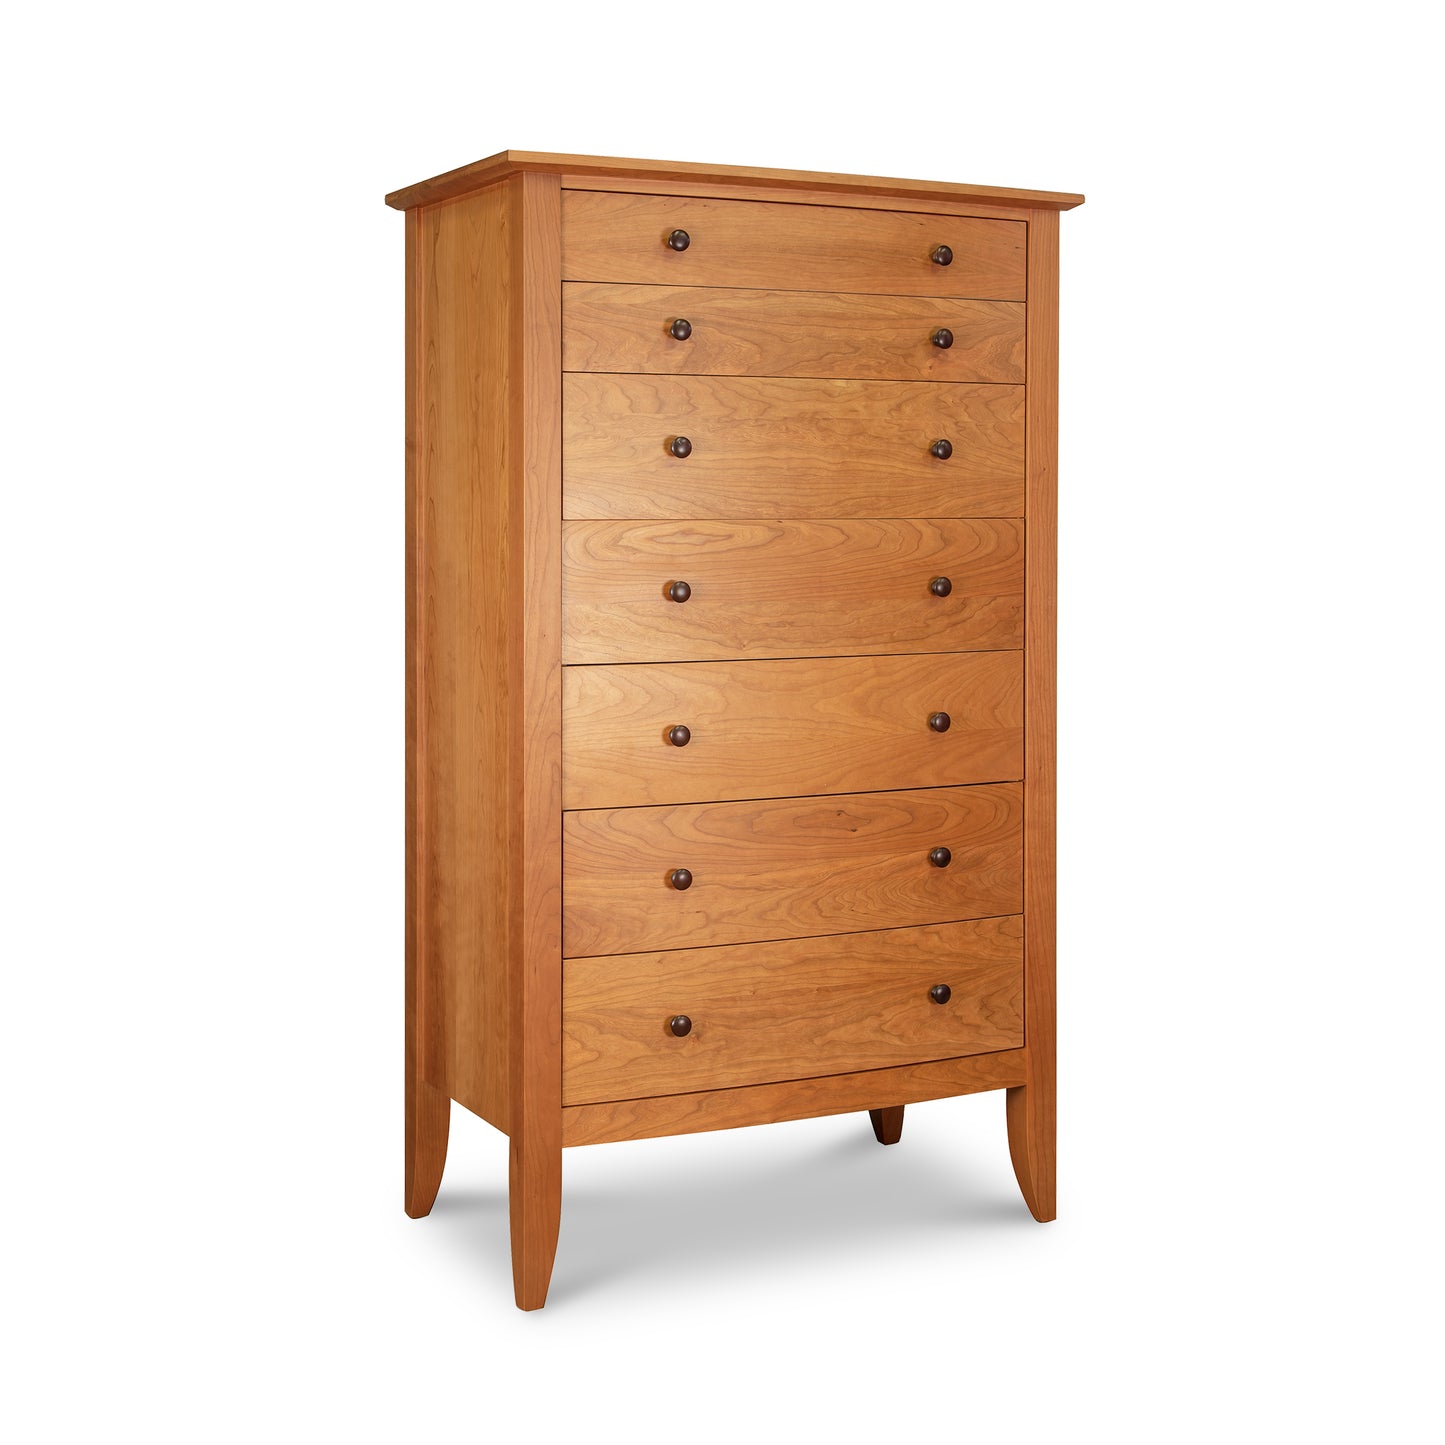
{"points": [[790, 333], [687, 732], [612, 237], [788, 589], [788, 868], [789, 447], [765, 1012]]}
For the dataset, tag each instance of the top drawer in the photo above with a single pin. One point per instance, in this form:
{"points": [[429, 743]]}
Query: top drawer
{"points": [[774, 246]]}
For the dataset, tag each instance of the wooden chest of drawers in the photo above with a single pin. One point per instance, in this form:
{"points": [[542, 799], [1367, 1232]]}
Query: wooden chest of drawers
{"points": [[730, 653]]}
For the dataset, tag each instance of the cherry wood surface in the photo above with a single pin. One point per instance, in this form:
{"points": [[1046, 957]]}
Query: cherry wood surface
{"points": [[789, 333], [484, 695], [461, 864], [549, 937], [849, 200], [1031, 1108], [791, 447], [534, 833], [646, 1118], [788, 868], [768, 1011], [612, 237], [887, 1124], [806, 725], [788, 589], [427, 1102], [477, 174]]}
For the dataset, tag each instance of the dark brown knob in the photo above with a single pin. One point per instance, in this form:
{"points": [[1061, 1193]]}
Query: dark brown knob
{"points": [[680, 329], [680, 447], [939, 993], [681, 1025], [679, 240], [679, 591], [940, 587], [940, 857], [942, 256], [942, 449], [943, 337], [680, 879], [679, 736], [940, 722]]}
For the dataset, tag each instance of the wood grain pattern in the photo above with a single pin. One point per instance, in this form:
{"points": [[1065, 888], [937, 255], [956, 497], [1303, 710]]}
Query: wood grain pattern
{"points": [[788, 868], [494, 168], [772, 246], [808, 520], [485, 460], [1031, 1126], [769, 1011], [788, 589], [427, 1104], [852, 200], [789, 447], [799, 1099], [887, 1124], [773, 729], [789, 333], [535, 723], [459, 558]]}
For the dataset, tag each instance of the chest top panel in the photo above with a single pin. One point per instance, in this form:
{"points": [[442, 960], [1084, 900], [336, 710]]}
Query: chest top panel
{"points": [[675, 175]]}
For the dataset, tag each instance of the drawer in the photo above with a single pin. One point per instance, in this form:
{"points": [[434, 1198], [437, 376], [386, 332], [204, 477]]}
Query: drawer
{"points": [[788, 589], [807, 725], [776, 246], [765, 1012], [788, 868], [790, 333], [789, 446]]}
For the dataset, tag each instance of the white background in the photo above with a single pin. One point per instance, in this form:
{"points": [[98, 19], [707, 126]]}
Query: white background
{"points": [[200, 571]]}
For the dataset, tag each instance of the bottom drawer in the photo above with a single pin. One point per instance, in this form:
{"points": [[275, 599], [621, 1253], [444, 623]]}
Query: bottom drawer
{"points": [[764, 1012]]}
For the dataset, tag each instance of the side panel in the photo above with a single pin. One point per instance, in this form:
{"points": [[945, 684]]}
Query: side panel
{"points": [[460, 825]]}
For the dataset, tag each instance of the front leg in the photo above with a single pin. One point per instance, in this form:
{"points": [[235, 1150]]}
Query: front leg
{"points": [[535, 1194]]}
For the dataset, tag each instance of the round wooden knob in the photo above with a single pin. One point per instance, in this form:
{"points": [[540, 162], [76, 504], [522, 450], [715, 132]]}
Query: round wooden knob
{"points": [[680, 447], [679, 240], [681, 1026], [680, 879], [940, 857], [942, 256], [940, 993], [942, 449], [940, 722], [943, 338], [679, 591], [680, 329], [679, 736], [940, 587]]}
